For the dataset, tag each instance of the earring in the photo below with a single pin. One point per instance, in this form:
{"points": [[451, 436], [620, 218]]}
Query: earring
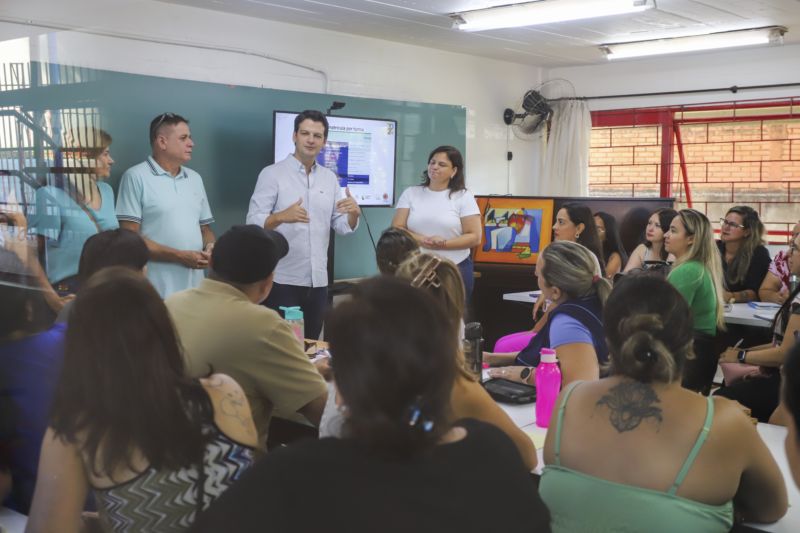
{"points": [[577, 235]]}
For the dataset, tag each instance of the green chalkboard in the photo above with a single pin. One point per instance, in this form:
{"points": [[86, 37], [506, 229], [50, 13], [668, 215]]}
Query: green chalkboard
{"points": [[232, 130]]}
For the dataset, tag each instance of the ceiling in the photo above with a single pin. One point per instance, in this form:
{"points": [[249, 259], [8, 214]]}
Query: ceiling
{"points": [[425, 23]]}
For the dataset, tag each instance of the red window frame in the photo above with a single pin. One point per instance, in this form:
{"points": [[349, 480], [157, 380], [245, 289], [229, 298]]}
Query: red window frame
{"points": [[668, 119]]}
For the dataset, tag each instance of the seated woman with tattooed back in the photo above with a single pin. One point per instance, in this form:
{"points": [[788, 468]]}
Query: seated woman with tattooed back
{"points": [[636, 451]]}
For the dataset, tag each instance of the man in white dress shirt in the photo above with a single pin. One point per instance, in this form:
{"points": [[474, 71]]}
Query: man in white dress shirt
{"points": [[303, 200]]}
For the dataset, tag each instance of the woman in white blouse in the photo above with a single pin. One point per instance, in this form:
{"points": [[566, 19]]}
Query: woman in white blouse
{"points": [[441, 213]]}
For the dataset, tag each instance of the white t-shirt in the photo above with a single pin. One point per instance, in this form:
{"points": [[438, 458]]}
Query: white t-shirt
{"points": [[438, 213]]}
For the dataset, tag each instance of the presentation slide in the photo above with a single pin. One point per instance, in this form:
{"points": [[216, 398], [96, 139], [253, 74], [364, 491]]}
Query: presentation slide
{"points": [[360, 151]]}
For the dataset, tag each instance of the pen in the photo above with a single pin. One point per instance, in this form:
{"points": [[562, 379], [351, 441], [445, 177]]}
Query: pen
{"points": [[739, 342]]}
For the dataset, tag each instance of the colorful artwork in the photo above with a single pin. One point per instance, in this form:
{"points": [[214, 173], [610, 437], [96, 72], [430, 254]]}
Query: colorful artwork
{"points": [[515, 230]]}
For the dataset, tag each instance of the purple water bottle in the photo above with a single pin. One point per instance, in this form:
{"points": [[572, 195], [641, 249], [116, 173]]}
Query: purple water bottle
{"points": [[548, 384]]}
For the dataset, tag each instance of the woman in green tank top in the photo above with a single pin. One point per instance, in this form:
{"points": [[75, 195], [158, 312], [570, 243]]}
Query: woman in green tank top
{"points": [[638, 452]]}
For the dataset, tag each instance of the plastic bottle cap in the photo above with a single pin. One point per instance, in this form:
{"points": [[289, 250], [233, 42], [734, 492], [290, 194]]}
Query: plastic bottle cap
{"points": [[292, 313], [548, 355]]}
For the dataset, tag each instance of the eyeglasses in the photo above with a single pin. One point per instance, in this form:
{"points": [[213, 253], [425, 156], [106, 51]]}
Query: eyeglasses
{"points": [[730, 224], [162, 117]]}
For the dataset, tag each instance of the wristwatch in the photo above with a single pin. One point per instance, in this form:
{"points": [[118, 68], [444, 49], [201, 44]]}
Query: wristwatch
{"points": [[523, 375], [741, 355]]}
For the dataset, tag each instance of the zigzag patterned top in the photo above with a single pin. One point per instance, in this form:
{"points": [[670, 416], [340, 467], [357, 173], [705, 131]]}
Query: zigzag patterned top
{"points": [[166, 501]]}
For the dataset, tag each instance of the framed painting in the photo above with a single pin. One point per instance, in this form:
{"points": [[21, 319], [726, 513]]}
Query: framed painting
{"points": [[514, 230]]}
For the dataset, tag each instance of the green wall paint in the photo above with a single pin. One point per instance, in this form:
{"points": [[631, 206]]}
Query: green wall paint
{"points": [[232, 129]]}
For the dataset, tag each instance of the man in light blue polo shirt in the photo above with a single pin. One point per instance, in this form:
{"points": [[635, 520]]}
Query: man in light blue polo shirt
{"points": [[302, 199], [166, 202]]}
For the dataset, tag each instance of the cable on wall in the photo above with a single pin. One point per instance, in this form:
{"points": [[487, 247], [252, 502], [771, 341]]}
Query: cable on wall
{"points": [[733, 89]]}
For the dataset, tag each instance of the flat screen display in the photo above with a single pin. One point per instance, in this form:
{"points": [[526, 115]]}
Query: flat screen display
{"points": [[360, 151]]}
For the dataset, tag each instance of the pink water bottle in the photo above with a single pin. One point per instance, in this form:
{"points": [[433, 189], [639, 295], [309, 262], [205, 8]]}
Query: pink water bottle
{"points": [[548, 384]]}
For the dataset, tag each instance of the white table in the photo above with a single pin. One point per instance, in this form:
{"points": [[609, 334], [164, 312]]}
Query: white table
{"points": [[12, 521], [527, 297], [525, 418], [741, 314], [745, 315]]}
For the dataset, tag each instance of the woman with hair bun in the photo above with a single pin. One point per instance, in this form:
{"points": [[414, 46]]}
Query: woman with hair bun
{"points": [[640, 452]]}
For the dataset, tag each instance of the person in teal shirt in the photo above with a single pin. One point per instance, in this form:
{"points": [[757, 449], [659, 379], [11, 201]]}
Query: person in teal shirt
{"points": [[71, 210], [636, 451], [166, 202], [698, 277]]}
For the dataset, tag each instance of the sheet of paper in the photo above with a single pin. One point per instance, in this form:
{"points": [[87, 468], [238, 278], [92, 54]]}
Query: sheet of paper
{"points": [[537, 438]]}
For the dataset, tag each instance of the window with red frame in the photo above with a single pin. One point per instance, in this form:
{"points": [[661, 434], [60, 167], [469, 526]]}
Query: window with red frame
{"points": [[709, 157]]}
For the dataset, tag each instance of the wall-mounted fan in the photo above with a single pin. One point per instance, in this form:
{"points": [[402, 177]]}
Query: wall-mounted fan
{"points": [[532, 114]]}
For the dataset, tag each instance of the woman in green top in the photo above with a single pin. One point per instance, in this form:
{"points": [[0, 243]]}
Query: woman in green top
{"points": [[697, 275], [636, 451]]}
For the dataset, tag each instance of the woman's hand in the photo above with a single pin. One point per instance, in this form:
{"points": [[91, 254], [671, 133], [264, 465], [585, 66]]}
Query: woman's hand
{"points": [[499, 359], [434, 242], [728, 296], [730, 355], [512, 373]]}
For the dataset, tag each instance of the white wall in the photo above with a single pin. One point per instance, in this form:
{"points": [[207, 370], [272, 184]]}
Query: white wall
{"points": [[755, 66], [356, 66]]}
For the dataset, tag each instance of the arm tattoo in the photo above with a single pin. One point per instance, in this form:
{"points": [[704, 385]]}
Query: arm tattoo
{"points": [[231, 405], [629, 403]]}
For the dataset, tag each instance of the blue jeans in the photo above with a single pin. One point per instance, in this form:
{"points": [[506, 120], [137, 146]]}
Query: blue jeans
{"points": [[467, 274], [312, 300]]}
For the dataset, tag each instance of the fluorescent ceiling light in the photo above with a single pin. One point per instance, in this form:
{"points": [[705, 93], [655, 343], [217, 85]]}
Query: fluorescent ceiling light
{"points": [[693, 43], [544, 12]]}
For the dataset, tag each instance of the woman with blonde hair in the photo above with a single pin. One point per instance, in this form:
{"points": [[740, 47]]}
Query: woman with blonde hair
{"points": [[570, 278], [75, 206], [636, 451], [697, 275], [745, 260]]}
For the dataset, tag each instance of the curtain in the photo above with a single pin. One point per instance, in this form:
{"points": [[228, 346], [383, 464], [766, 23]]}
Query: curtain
{"points": [[566, 161]]}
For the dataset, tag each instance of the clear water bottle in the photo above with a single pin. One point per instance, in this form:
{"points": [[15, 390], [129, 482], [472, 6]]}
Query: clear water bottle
{"points": [[793, 281], [294, 316], [473, 349], [548, 385]]}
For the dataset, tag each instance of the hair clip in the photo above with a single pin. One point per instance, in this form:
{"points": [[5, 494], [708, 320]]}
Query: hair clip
{"points": [[595, 278], [415, 414], [645, 357], [428, 276], [416, 418]]}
